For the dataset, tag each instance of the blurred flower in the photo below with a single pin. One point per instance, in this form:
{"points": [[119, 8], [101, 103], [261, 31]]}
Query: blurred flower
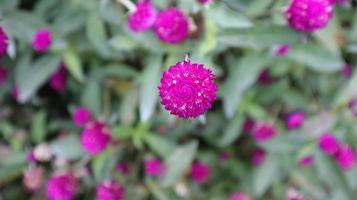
{"points": [[143, 17], [264, 131], [248, 125], [95, 137], [264, 78], [306, 161], [187, 89], [205, 2], [3, 42], [224, 156], [30, 156], [59, 79], [293, 194], [340, 1], [347, 70], [328, 144], [123, 168], [154, 167], [15, 93], [3, 74], [200, 172], [258, 156], [33, 178], [352, 105], [110, 190], [42, 40], [172, 26], [182, 190], [62, 187], [309, 15], [346, 157], [81, 116], [239, 196], [282, 50], [42, 152], [294, 120]]}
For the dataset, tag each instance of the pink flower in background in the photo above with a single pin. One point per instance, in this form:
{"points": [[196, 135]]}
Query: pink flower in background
{"points": [[200, 172], [264, 78], [187, 89], [309, 15], [110, 190], [33, 179], [347, 70], [248, 125], [205, 2], [58, 80], [239, 196], [172, 26], [154, 167], [4, 42], [293, 194], [15, 93], [328, 144], [3, 74], [264, 131], [31, 157], [42, 40], [294, 120], [81, 116], [346, 157], [306, 161], [62, 187], [282, 50], [143, 17], [352, 105], [123, 168], [224, 156], [258, 156], [95, 137]]}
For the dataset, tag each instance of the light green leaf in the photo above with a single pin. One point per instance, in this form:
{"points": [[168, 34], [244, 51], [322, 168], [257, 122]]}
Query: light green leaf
{"points": [[68, 147], [225, 17], [38, 127], [232, 131], [73, 63], [159, 145], [96, 34]]}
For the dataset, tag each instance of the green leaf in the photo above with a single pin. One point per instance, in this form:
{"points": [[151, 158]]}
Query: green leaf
{"points": [[10, 173], [91, 96], [38, 127], [159, 145], [73, 63], [96, 33], [68, 147], [232, 131], [225, 17], [103, 164]]}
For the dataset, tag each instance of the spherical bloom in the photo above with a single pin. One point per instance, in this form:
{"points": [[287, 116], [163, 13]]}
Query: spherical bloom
{"points": [[306, 161], [62, 187], [33, 179], [42, 40], [200, 172], [258, 156], [239, 196], [347, 70], [143, 17], [309, 15], [58, 80], [95, 137], [123, 168], [248, 125], [3, 75], [346, 157], [81, 116], [154, 167], [205, 2], [328, 144], [4, 42], [264, 131], [282, 50], [172, 26], [187, 89], [42, 152], [352, 105], [264, 78], [294, 120], [110, 190]]}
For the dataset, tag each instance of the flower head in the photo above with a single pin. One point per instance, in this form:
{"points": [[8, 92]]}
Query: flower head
{"points": [[239, 196], [123, 168], [3, 75], [347, 70], [258, 156], [309, 15], [33, 178], [205, 2], [224, 156], [143, 17], [248, 125], [58, 80], [264, 78], [306, 161], [154, 167], [110, 190], [282, 50], [172, 26], [42, 40], [187, 89], [62, 187], [81, 116], [95, 137], [294, 120], [328, 144], [200, 172], [4, 42], [352, 105], [346, 157], [264, 131]]}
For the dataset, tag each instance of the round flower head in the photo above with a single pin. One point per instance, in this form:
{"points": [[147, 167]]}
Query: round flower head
{"points": [[282, 50], [172, 26], [306, 161], [33, 178], [3, 75], [239, 196], [154, 167], [81, 116], [347, 71], [110, 190], [143, 17], [309, 15], [248, 125], [264, 131], [264, 78], [205, 2], [258, 156], [346, 157], [294, 120], [187, 89], [200, 172], [328, 144], [95, 137], [123, 168], [62, 187], [42, 40], [59, 79], [4, 42]]}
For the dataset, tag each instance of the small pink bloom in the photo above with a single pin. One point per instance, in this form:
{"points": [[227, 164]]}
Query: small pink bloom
{"points": [[248, 125], [264, 131], [15, 93], [346, 157], [239, 196], [123, 168], [110, 190], [224, 156], [59, 79], [264, 78], [143, 17], [42, 40], [293, 194], [295, 120], [33, 179], [282, 50], [352, 105], [347, 70], [3, 75], [258, 156], [154, 167], [200, 172], [31, 157], [95, 137], [4, 42], [81, 116], [306, 161], [62, 187], [205, 2], [328, 144]]}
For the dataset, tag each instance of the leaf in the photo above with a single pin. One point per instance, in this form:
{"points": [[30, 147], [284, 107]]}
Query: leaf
{"points": [[232, 131], [91, 96], [178, 162], [225, 17], [68, 147], [103, 164], [38, 127], [96, 33], [156, 191], [10, 173], [73, 63], [159, 145]]}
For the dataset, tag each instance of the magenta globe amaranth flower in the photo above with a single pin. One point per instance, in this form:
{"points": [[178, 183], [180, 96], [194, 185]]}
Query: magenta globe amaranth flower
{"points": [[110, 190], [123, 168], [347, 71], [143, 17], [294, 120], [172, 26], [200, 172], [264, 78], [42, 40], [205, 2], [33, 179], [58, 80], [4, 42], [62, 187], [239, 196], [346, 157], [187, 89], [309, 15], [306, 161], [264, 131], [282, 50], [328, 144], [248, 125], [95, 137], [154, 167], [258, 156], [81, 116]]}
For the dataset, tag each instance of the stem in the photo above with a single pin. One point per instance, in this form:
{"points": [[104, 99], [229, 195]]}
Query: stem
{"points": [[128, 4]]}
